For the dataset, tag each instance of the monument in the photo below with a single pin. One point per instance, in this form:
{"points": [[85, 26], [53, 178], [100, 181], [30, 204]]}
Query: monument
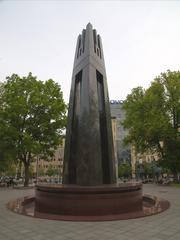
{"points": [[89, 187], [90, 191], [89, 155]]}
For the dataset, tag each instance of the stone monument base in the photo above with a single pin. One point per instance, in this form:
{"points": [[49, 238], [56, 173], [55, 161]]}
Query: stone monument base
{"points": [[94, 203], [73, 200]]}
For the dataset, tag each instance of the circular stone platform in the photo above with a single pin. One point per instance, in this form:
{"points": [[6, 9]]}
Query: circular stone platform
{"points": [[82, 203]]}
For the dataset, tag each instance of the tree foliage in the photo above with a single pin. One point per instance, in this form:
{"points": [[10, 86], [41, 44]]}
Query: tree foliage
{"points": [[32, 118], [148, 170], [125, 170], [153, 118], [41, 171], [51, 171]]}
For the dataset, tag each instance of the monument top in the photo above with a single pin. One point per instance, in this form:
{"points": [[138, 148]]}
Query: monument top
{"points": [[89, 43]]}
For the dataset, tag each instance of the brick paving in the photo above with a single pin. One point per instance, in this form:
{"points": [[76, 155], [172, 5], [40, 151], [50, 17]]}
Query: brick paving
{"points": [[164, 226]]}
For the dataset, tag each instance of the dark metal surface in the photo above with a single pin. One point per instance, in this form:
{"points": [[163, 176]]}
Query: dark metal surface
{"points": [[89, 155]]}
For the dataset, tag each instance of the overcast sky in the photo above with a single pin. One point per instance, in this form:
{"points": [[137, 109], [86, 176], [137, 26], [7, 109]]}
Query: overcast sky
{"points": [[140, 39]]}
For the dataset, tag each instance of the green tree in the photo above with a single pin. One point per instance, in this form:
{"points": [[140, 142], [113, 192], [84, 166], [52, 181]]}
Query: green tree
{"points": [[41, 171], [32, 118], [51, 171], [11, 170], [153, 119], [5, 157], [148, 170], [124, 170]]}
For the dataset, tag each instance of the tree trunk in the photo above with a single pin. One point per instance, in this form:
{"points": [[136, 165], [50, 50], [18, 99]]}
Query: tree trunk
{"points": [[176, 177], [26, 173], [19, 170]]}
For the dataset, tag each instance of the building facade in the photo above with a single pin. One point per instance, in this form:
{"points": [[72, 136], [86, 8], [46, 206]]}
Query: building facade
{"points": [[123, 153], [55, 163], [142, 158]]}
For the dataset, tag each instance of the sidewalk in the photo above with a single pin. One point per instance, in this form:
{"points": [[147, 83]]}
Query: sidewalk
{"points": [[164, 226]]}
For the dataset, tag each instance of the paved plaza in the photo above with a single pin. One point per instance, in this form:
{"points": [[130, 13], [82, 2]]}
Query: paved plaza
{"points": [[158, 227]]}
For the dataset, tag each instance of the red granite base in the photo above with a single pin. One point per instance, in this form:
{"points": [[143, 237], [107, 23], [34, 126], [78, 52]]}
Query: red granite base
{"points": [[100, 203], [73, 200]]}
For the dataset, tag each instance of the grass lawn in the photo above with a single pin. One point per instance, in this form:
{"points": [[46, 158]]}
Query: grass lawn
{"points": [[175, 185]]}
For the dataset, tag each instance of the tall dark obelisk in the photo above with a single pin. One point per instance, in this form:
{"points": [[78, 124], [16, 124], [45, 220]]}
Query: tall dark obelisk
{"points": [[89, 155], [89, 190]]}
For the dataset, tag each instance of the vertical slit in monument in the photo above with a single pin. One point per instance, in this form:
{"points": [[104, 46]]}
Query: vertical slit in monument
{"points": [[97, 51], [94, 38], [103, 128], [75, 126], [83, 38], [79, 45], [99, 45]]}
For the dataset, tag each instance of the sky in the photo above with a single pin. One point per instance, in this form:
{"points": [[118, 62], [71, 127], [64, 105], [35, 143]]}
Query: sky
{"points": [[140, 40]]}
